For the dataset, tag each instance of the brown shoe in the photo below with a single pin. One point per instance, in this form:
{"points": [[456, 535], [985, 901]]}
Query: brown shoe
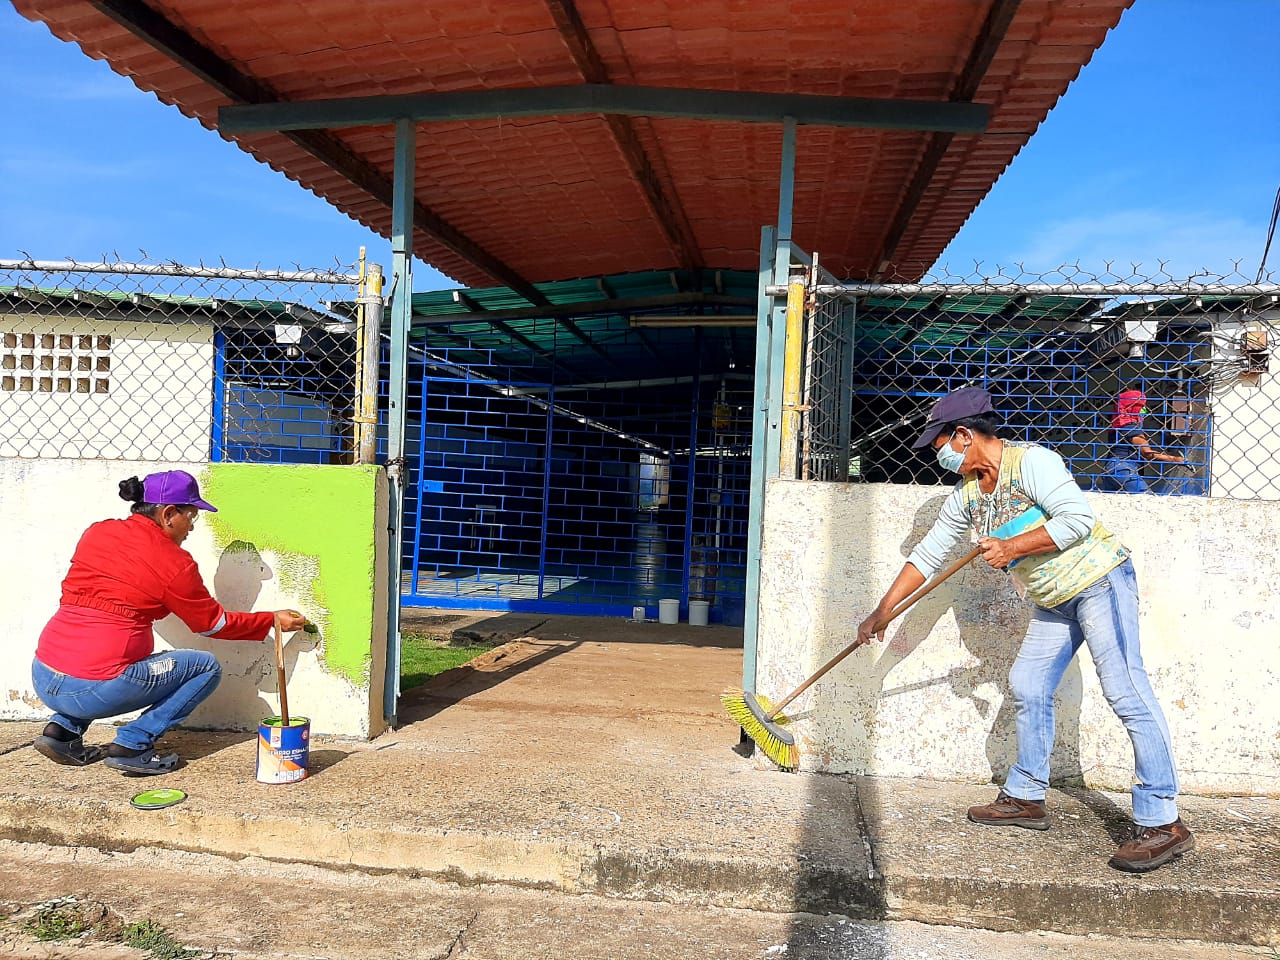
{"points": [[1009, 811], [1152, 847]]}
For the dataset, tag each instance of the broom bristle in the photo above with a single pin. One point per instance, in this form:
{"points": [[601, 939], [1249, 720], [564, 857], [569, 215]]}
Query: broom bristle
{"points": [[751, 712]]}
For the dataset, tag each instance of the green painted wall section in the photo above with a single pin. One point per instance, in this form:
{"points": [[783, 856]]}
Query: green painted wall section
{"points": [[319, 520]]}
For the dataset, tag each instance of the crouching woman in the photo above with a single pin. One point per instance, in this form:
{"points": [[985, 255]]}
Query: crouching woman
{"points": [[96, 657]]}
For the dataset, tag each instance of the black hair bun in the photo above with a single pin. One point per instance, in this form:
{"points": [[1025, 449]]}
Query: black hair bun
{"points": [[131, 490]]}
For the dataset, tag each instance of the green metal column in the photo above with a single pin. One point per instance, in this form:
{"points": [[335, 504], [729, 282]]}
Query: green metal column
{"points": [[759, 432], [401, 316], [775, 262], [778, 307]]}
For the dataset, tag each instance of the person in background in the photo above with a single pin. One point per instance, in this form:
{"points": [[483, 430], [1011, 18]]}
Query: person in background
{"points": [[96, 657], [1130, 445], [1082, 582]]}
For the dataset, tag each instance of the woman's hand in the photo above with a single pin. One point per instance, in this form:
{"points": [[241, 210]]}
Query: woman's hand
{"points": [[997, 553], [290, 620], [872, 628]]}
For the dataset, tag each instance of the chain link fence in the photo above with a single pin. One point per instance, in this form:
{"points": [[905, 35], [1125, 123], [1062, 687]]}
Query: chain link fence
{"points": [[154, 361], [1057, 352]]}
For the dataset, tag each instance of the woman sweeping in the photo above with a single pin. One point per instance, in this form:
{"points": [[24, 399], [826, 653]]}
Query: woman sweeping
{"points": [[96, 657], [1082, 582]]}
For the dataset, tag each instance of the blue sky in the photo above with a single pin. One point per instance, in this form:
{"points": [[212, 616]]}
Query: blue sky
{"points": [[1166, 147]]}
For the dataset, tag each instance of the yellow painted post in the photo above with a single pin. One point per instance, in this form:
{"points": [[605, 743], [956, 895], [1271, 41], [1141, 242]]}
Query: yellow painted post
{"points": [[793, 352], [368, 355]]}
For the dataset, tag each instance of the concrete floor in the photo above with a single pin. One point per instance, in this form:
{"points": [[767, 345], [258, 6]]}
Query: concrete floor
{"points": [[252, 909], [591, 757]]}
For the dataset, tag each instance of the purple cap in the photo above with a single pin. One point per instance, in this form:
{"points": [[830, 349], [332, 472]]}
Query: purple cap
{"points": [[965, 402], [176, 487]]}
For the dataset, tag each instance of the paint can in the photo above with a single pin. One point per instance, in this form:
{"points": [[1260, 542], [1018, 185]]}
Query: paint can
{"points": [[668, 611], [283, 751], [699, 610]]}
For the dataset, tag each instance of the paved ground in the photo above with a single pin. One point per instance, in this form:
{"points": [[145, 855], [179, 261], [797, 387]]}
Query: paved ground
{"points": [[593, 759], [256, 910]]}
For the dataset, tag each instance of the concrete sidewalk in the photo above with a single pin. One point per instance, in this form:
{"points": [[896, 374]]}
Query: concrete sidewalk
{"points": [[593, 756]]}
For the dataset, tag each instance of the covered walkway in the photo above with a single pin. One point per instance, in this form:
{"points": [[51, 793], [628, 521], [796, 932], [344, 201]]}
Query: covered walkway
{"points": [[591, 757]]}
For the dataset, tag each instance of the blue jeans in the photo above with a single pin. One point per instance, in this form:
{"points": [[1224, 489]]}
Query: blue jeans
{"points": [[168, 685], [1124, 476], [1105, 616]]}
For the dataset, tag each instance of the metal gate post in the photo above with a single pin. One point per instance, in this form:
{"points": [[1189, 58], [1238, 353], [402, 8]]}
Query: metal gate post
{"points": [[792, 356], [401, 316], [848, 330], [775, 262], [369, 357]]}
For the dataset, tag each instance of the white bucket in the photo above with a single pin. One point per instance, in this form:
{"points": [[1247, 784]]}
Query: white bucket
{"points": [[698, 610], [668, 611]]}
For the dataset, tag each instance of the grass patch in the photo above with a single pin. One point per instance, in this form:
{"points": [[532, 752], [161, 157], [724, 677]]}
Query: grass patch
{"points": [[79, 918], [56, 921], [156, 940], [422, 657]]}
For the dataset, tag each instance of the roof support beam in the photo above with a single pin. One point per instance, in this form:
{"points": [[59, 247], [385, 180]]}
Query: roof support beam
{"points": [[184, 50], [588, 308], [984, 50], [590, 98], [666, 208]]}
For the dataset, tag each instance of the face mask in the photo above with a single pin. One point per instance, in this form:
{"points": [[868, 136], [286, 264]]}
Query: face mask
{"points": [[949, 459]]}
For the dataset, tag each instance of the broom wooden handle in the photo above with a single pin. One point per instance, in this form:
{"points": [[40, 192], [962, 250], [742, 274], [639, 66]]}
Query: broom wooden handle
{"points": [[896, 612], [284, 698]]}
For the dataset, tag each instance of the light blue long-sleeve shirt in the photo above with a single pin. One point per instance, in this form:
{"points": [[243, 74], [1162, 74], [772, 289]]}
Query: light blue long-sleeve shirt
{"points": [[1045, 478]]}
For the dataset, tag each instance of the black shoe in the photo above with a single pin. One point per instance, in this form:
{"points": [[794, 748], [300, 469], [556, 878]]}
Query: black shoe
{"points": [[69, 753], [146, 764]]}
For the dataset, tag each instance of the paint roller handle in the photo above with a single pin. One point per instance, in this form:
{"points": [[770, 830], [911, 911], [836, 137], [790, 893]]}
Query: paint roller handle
{"points": [[284, 697], [893, 615], [285, 620]]}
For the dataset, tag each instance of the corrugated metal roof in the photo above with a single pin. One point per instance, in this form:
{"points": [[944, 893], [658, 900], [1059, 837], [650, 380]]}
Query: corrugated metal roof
{"points": [[574, 196], [73, 301]]}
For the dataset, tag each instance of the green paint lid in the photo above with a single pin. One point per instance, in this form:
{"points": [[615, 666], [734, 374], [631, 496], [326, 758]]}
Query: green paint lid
{"points": [[157, 799]]}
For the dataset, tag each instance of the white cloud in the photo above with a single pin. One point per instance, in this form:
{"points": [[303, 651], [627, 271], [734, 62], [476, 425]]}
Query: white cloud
{"points": [[30, 167], [1187, 242]]}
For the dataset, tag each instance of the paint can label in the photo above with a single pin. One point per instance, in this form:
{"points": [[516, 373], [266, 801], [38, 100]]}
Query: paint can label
{"points": [[283, 752]]}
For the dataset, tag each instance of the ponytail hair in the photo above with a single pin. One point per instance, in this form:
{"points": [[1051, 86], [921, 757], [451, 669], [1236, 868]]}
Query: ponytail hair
{"points": [[131, 490]]}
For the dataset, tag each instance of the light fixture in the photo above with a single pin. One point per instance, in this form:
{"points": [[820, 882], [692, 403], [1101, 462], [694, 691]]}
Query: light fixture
{"points": [[678, 320], [289, 336]]}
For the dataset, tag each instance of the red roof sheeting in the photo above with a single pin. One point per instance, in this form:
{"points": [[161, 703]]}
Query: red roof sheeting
{"points": [[557, 198]]}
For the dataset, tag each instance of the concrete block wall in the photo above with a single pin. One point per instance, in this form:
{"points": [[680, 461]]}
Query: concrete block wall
{"points": [[932, 700], [130, 388], [312, 538]]}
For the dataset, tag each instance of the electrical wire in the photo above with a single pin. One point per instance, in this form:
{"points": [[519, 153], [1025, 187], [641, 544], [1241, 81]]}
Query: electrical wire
{"points": [[1271, 232]]}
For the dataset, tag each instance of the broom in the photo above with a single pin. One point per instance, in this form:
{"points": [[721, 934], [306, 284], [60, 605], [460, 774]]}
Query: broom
{"points": [[764, 723]]}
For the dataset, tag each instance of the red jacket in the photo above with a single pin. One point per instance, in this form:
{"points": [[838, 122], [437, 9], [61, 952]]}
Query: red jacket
{"points": [[126, 574]]}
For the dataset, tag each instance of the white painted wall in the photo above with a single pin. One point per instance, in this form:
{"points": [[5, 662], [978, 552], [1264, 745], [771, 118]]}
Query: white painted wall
{"points": [[932, 700], [159, 390], [45, 505]]}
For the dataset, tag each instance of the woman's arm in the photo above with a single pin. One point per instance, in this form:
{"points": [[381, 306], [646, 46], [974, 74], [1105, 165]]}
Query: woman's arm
{"points": [[188, 598], [908, 580], [1148, 452], [1049, 483], [951, 526]]}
